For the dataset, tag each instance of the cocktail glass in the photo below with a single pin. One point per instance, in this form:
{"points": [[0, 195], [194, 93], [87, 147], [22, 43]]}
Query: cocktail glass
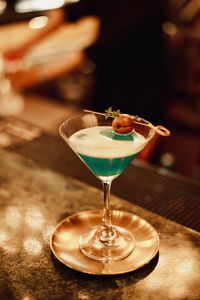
{"points": [[106, 154]]}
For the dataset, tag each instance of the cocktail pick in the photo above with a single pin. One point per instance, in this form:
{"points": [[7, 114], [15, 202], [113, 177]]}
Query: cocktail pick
{"points": [[159, 129]]}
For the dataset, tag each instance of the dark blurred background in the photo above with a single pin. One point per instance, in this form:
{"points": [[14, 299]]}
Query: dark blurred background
{"points": [[142, 57]]}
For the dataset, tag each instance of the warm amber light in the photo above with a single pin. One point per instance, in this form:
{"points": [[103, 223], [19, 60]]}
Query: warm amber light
{"points": [[169, 28], [38, 22], [13, 217], [35, 5], [167, 159], [3, 5], [32, 246], [34, 218]]}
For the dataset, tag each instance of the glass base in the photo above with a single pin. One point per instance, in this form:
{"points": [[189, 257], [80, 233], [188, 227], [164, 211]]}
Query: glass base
{"points": [[120, 247]]}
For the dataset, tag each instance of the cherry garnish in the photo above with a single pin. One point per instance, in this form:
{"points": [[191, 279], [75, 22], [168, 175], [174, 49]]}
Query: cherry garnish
{"points": [[122, 124]]}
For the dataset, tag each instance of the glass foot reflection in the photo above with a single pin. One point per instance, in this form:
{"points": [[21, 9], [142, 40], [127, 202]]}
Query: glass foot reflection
{"points": [[95, 245]]}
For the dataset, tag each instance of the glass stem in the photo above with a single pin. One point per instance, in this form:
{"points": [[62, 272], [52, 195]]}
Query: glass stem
{"points": [[107, 233]]}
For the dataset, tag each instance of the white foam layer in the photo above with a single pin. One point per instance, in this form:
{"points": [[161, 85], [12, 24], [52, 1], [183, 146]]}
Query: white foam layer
{"points": [[90, 141]]}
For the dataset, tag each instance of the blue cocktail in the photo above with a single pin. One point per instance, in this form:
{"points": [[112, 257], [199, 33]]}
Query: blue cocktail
{"points": [[107, 154]]}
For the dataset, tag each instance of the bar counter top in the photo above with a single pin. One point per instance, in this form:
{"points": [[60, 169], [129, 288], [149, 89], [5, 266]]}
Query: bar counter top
{"points": [[34, 198]]}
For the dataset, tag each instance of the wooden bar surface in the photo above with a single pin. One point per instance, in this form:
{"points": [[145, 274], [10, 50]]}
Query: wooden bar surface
{"points": [[34, 198]]}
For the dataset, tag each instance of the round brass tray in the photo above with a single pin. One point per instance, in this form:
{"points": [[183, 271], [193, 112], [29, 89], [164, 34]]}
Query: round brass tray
{"points": [[65, 247]]}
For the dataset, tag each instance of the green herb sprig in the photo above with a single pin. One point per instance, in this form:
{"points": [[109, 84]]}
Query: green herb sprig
{"points": [[109, 113]]}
